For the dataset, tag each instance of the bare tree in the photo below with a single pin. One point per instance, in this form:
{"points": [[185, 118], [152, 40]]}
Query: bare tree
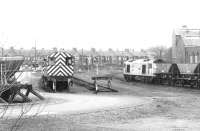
{"points": [[158, 51], [12, 51], [25, 111], [21, 111], [55, 49], [93, 50]]}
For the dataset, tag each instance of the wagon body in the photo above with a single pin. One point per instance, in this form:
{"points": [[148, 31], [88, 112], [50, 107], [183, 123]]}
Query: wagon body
{"points": [[186, 68], [162, 67], [8, 67]]}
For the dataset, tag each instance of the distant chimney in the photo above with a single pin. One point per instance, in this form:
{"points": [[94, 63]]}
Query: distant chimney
{"points": [[75, 49], [110, 50], [93, 50], [126, 50], [184, 27]]}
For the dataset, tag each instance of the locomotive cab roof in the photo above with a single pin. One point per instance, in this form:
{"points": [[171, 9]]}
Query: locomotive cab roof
{"points": [[145, 61], [63, 53], [13, 58]]}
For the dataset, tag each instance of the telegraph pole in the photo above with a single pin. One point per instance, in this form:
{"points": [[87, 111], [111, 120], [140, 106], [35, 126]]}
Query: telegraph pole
{"points": [[82, 58], [35, 51], [2, 51], [35, 55]]}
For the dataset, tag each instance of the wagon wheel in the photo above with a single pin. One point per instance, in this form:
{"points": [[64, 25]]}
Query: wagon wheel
{"points": [[126, 78], [194, 84], [198, 83], [170, 82], [132, 78], [182, 83]]}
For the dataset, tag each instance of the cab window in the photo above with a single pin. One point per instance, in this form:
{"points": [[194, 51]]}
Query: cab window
{"points": [[51, 60], [68, 61], [128, 68]]}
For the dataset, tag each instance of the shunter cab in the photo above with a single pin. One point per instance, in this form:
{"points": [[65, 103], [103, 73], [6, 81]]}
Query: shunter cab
{"points": [[58, 72]]}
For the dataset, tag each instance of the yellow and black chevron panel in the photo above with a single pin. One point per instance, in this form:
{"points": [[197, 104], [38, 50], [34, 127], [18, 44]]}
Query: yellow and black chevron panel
{"points": [[60, 64]]}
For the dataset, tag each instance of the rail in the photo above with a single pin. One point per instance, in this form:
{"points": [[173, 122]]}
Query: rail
{"points": [[91, 86]]}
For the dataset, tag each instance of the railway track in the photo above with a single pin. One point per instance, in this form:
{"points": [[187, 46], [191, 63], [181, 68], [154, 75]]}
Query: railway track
{"points": [[91, 86]]}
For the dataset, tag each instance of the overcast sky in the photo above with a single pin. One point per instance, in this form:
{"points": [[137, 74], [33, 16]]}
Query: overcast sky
{"points": [[100, 24]]}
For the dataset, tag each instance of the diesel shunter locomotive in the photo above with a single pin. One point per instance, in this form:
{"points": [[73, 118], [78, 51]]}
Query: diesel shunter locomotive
{"points": [[58, 73]]}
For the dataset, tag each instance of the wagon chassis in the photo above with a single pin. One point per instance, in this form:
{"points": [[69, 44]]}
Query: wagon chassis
{"points": [[178, 80], [10, 91]]}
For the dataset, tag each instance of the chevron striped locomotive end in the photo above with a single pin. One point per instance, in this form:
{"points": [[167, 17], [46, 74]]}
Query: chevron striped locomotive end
{"points": [[58, 73]]}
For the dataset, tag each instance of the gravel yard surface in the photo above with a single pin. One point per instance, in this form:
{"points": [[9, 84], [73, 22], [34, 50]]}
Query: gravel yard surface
{"points": [[136, 107]]}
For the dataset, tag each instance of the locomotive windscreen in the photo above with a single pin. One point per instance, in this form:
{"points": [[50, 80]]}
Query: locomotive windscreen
{"points": [[128, 68]]}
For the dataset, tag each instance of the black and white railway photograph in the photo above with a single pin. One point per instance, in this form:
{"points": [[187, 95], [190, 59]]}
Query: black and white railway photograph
{"points": [[99, 65]]}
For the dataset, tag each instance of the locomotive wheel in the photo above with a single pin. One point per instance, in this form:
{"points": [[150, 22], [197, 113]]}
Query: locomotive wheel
{"points": [[126, 78], [70, 84], [45, 83], [132, 78]]}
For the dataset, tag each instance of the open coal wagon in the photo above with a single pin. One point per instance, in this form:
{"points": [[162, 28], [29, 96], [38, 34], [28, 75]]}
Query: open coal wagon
{"points": [[184, 75], [9, 87]]}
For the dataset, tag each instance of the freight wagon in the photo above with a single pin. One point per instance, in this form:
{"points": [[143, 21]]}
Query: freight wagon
{"points": [[10, 87]]}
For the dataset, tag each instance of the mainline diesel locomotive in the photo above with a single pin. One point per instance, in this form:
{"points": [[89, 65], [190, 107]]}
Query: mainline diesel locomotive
{"points": [[157, 71]]}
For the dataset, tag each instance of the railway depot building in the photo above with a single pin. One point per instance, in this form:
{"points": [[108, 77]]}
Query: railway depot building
{"points": [[186, 45]]}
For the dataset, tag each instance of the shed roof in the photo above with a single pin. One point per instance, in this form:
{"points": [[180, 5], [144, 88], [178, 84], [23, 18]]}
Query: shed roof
{"points": [[191, 37], [191, 41]]}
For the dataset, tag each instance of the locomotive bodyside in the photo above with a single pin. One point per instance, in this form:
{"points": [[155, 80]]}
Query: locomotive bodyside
{"points": [[144, 69]]}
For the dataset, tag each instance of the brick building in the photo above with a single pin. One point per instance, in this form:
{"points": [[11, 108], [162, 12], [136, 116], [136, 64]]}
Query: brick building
{"points": [[186, 45]]}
